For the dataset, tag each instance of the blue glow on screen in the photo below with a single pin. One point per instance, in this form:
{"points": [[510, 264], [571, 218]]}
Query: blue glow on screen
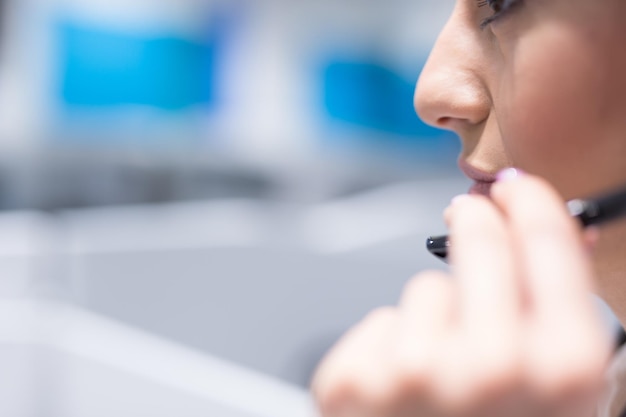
{"points": [[371, 95], [102, 68]]}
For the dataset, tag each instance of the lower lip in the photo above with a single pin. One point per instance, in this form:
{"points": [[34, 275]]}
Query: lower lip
{"points": [[481, 188]]}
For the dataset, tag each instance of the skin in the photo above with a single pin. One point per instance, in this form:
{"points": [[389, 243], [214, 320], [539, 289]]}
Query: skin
{"points": [[510, 330], [542, 91]]}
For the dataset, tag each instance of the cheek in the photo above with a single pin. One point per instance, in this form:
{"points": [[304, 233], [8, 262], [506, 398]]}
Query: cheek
{"points": [[550, 115]]}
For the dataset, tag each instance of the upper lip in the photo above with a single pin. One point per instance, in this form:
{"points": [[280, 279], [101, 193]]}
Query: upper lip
{"points": [[474, 173]]}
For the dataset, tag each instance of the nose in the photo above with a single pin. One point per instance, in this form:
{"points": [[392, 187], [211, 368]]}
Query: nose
{"points": [[451, 92]]}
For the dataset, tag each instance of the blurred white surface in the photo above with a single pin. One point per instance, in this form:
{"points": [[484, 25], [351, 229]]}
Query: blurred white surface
{"points": [[123, 311], [62, 361], [96, 298], [268, 285]]}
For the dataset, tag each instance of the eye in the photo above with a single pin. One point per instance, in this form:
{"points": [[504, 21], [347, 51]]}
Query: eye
{"points": [[495, 5], [499, 8]]}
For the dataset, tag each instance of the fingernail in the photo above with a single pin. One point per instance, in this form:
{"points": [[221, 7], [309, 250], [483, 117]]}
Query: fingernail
{"points": [[459, 198], [510, 174]]}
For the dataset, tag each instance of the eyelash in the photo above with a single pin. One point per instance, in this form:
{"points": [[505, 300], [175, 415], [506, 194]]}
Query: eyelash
{"points": [[504, 8]]}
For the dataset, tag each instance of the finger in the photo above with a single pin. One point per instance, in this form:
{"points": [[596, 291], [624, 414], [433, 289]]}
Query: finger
{"points": [[566, 348], [486, 359], [483, 263], [556, 266], [354, 375], [428, 304]]}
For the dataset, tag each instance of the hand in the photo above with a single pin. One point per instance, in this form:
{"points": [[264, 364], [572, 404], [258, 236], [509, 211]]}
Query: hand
{"points": [[512, 331]]}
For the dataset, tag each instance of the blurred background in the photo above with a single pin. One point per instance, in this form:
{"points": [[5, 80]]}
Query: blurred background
{"points": [[198, 197]]}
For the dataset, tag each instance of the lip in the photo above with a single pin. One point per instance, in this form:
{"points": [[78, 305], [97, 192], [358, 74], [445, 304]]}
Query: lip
{"points": [[481, 188], [482, 180], [474, 173]]}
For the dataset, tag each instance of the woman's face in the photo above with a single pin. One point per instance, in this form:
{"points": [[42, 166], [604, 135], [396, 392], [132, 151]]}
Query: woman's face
{"points": [[539, 85]]}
